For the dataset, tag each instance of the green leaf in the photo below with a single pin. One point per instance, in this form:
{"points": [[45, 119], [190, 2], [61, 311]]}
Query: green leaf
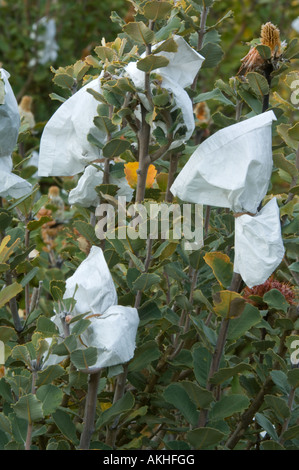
{"points": [[294, 132], [280, 161], [204, 438], [22, 353], [87, 230], [29, 276], [215, 95], [121, 406], [35, 224], [115, 147], [179, 398], [49, 374], [5, 219], [55, 96], [84, 358], [104, 53], [66, 347], [64, 80], [155, 10], [152, 62], [9, 293], [202, 360], [201, 397], [167, 46], [139, 32], [292, 50], [293, 378], [271, 445], [228, 406], [221, 267], [145, 281], [283, 131], [266, 425], [64, 422], [46, 326], [276, 300], [291, 433], [224, 374], [241, 325], [264, 51], [7, 333], [104, 124], [212, 53], [258, 83], [254, 103], [50, 396], [28, 407], [144, 356], [278, 405]]}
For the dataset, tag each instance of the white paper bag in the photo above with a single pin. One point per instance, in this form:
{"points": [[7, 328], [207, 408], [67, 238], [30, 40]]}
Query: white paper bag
{"points": [[9, 118], [113, 334], [10, 184], [258, 244], [64, 148], [112, 328], [44, 32], [96, 291], [178, 74], [85, 194], [232, 168], [295, 24]]}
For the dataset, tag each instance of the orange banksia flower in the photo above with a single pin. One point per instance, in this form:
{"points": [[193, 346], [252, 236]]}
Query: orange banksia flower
{"points": [[131, 174], [202, 113], [271, 283]]}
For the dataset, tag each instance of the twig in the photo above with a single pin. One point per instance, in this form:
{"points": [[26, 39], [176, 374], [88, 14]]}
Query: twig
{"points": [[90, 410], [30, 424], [118, 394], [219, 348]]}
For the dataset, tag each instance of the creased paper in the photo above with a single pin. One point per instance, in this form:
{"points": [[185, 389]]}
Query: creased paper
{"points": [[113, 327], [113, 334], [258, 244], [178, 74], [96, 291], [9, 118], [232, 168], [85, 194], [10, 184], [64, 148]]}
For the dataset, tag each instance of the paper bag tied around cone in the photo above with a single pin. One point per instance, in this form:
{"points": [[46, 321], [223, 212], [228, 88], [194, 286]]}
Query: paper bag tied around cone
{"points": [[232, 168], [113, 327], [64, 148]]}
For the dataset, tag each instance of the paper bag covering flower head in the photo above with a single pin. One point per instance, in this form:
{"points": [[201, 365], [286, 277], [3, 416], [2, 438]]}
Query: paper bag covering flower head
{"points": [[10, 184], [180, 73], [113, 327], [232, 169]]}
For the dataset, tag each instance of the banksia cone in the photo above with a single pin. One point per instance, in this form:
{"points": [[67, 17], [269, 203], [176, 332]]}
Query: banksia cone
{"points": [[259, 291], [270, 36], [26, 112]]}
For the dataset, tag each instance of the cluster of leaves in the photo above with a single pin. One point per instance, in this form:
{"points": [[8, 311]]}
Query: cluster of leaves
{"points": [[251, 400]]}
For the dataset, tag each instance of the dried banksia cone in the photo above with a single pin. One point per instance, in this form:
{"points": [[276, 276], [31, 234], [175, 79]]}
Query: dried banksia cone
{"points": [[26, 112], [270, 36]]}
